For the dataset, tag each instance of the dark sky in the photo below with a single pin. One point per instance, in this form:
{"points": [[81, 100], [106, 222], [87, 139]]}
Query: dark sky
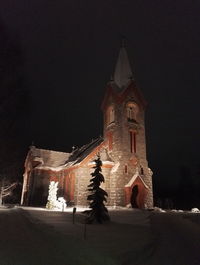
{"points": [[69, 50]]}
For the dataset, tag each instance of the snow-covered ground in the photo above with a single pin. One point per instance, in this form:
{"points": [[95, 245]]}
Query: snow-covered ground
{"points": [[33, 236]]}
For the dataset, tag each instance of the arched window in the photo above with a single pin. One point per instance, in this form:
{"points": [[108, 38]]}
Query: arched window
{"points": [[132, 135], [132, 111], [110, 115]]}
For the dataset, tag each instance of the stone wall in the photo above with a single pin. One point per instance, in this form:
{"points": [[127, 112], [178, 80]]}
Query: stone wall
{"points": [[38, 192], [121, 152], [82, 180]]}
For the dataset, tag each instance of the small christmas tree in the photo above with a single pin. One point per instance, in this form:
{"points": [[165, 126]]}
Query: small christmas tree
{"points": [[52, 197], [97, 197], [52, 202]]}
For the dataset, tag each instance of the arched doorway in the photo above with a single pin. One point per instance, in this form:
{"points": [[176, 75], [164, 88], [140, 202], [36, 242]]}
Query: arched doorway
{"points": [[134, 196], [135, 192]]}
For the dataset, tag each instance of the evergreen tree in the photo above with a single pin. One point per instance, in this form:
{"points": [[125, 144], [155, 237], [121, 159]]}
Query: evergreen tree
{"points": [[98, 212]]}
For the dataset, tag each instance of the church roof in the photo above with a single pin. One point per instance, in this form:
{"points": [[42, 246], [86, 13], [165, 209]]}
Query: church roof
{"points": [[123, 72], [79, 154], [48, 158], [53, 160]]}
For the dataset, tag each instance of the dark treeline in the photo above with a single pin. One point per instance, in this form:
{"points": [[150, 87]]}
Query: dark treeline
{"points": [[14, 108], [185, 196]]}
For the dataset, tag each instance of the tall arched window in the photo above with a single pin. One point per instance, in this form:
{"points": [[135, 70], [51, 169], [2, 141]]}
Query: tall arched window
{"points": [[132, 111], [132, 135], [110, 115]]}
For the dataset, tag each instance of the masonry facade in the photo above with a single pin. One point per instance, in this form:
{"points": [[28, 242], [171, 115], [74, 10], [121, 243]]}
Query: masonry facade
{"points": [[122, 149]]}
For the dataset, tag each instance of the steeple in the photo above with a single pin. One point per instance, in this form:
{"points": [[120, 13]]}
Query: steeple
{"points": [[122, 73]]}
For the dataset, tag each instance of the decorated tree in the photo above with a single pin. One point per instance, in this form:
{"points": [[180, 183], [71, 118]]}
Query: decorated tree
{"points": [[52, 197], [98, 212], [53, 202]]}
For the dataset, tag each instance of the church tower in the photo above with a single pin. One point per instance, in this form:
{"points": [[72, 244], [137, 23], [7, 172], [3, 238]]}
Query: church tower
{"points": [[124, 130]]}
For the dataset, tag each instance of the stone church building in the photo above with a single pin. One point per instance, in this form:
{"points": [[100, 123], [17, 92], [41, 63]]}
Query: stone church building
{"points": [[128, 179]]}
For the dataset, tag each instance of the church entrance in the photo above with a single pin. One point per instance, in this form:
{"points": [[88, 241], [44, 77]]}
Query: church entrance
{"points": [[135, 193], [134, 196]]}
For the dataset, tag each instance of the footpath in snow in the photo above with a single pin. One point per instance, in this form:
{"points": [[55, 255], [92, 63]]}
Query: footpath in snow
{"points": [[39, 237]]}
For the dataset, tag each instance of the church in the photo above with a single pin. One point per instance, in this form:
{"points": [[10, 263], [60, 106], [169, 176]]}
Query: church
{"points": [[122, 150]]}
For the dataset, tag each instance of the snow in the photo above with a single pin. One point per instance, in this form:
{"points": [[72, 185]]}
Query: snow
{"points": [[195, 210], [36, 236]]}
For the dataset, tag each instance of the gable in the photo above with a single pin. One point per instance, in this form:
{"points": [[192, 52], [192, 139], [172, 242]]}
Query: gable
{"points": [[136, 178], [132, 91], [42, 158]]}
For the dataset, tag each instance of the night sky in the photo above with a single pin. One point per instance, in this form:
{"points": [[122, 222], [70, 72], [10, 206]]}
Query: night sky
{"points": [[69, 50]]}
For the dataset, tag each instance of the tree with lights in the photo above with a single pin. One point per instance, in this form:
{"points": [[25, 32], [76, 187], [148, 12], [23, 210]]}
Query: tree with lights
{"points": [[52, 201], [98, 212], [52, 197]]}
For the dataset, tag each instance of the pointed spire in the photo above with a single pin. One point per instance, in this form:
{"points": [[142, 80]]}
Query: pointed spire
{"points": [[123, 39], [123, 72]]}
